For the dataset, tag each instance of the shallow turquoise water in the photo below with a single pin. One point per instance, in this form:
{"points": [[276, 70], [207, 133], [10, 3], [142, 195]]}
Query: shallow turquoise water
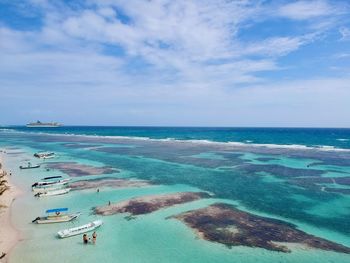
{"points": [[226, 171]]}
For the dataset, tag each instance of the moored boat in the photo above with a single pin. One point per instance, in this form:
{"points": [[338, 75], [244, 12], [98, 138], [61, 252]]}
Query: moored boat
{"points": [[46, 183], [53, 192], [57, 215], [47, 188], [44, 155], [52, 177], [80, 229], [30, 166]]}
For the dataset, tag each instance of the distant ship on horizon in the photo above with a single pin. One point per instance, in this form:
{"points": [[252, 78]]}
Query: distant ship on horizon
{"points": [[39, 124]]}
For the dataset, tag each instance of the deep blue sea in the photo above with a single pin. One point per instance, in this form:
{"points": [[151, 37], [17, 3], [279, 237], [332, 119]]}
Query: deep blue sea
{"points": [[313, 137]]}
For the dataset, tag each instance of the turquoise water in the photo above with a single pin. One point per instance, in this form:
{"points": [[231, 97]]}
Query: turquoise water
{"points": [[282, 136], [268, 181]]}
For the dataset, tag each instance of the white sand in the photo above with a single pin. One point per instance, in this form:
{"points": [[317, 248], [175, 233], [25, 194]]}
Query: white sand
{"points": [[9, 236]]}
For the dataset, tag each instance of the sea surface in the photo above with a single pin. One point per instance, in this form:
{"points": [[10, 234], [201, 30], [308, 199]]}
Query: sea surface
{"points": [[300, 176]]}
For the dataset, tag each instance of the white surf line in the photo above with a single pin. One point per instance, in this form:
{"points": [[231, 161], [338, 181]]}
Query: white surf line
{"points": [[325, 148]]}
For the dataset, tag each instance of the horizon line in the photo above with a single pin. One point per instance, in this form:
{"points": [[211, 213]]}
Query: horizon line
{"points": [[175, 126]]}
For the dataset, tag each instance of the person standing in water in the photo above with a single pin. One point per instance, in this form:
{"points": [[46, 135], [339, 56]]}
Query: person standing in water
{"points": [[94, 236], [85, 239]]}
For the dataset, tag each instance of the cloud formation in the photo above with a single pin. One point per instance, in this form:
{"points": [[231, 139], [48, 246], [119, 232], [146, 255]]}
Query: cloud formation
{"points": [[164, 62]]}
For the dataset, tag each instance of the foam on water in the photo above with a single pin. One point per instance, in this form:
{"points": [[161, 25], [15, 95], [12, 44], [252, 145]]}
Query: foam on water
{"points": [[247, 143]]}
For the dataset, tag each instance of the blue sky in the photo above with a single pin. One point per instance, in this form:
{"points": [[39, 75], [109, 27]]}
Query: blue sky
{"points": [[176, 63]]}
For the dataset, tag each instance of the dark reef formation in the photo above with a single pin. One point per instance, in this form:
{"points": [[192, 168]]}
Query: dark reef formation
{"points": [[337, 190], [265, 159], [80, 145], [74, 169], [107, 182], [333, 183], [323, 180], [230, 226], [149, 204], [279, 170]]}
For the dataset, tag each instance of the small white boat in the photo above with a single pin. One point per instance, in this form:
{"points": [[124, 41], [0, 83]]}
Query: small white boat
{"points": [[54, 192], [80, 229], [51, 183], [44, 155], [56, 216], [29, 166], [47, 188]]}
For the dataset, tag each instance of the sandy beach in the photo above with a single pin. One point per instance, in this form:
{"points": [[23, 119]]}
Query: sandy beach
{"points": [[9, 236]]}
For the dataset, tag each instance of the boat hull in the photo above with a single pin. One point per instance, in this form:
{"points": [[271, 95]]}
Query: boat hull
{"points": [[29, 167], [50, 184], [53, 193], [44, 155], [80, 230], [56, 219], [42, 126], [47, 189]]}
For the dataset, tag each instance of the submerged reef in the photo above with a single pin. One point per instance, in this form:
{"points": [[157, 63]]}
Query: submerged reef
{"points": [[80, 145], [230, 226], [149, 204], [279, 170], [74, 169], [107, 182], [334, 184], [337, 190], [323, 180], [265, 159]]}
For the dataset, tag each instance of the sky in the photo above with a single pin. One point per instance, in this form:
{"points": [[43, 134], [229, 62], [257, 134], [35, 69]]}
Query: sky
{"points": [[176, 63]]}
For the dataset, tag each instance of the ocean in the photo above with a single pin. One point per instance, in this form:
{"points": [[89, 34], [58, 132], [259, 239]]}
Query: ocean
{"points": [[294, 180]]}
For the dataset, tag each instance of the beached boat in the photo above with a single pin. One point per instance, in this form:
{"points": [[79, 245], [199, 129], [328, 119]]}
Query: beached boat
{"points": [[80, 229], [53, 192], [30, 166], [44, 155], [47, 189], [47, 183], [57, 215]]}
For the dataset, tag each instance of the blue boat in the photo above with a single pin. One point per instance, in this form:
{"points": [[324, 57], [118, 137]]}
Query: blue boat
{"points": [[56, 215]]}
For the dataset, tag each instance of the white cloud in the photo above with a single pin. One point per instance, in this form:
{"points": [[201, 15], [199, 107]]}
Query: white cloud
{"points": [[345, 33], [192, 56], [301, 10], [276, 46]]}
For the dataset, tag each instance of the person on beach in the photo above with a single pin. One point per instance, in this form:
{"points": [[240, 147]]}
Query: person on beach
{"points": [[98, 190], [85, 239], [94, 236]]}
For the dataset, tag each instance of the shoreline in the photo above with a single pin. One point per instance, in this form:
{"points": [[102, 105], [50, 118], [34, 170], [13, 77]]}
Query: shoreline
{"points": [[9, 235]]}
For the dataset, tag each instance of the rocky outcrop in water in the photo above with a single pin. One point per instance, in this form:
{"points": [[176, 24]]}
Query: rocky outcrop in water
{"points": [[149, 204], [107, 182], [75, 169], [230, 226]]}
